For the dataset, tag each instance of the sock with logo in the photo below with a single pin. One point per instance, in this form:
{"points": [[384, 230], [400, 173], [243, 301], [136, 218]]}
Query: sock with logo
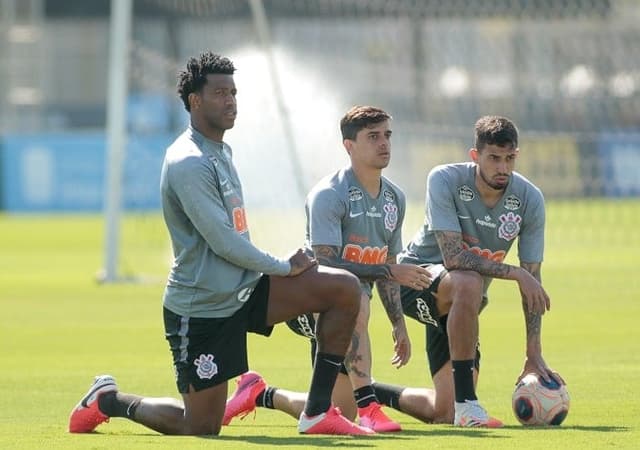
{"points": [[463, 380], [117, 404], [265, 398], [364, 396], [325, 372], [388, 394]]}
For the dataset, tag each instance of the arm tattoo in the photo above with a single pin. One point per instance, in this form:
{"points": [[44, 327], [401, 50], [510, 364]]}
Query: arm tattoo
{"points": [[534, 324], [389, 292], [456, 257], [330, 256], [533, 321]]}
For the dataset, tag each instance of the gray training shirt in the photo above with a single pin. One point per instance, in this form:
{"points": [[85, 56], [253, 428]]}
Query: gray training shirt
{"points": [[215, 266], [453, 204], [340, 213]]}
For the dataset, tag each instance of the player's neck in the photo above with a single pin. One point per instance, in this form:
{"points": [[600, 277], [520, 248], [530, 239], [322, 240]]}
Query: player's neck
{"points": [[201, 127], [369, 179]]}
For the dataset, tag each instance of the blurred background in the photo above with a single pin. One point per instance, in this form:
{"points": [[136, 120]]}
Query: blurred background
{"points": [[88, 107], [567, 72]]}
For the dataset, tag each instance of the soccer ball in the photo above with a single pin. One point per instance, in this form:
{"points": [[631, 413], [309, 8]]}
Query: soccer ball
{"points": [[536, 402]]}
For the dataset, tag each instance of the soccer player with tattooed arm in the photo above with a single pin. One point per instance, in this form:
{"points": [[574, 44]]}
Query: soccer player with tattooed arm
{"points": [[354, 222], [475, 211]]}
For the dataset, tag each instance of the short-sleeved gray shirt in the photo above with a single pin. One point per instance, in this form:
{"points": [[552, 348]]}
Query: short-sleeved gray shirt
{"points": [[453, 204], [340, 213]]}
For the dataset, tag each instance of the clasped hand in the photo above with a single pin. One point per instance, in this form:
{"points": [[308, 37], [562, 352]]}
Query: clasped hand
{"points": [[300, 262], [411, 275]]}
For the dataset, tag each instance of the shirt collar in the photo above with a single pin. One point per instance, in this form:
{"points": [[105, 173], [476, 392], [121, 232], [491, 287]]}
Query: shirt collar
{"points": [[204, 141]]}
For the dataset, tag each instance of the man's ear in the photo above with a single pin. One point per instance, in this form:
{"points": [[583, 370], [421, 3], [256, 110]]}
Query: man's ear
{"points": [[473, 154], [194, 100], [348, 145]]}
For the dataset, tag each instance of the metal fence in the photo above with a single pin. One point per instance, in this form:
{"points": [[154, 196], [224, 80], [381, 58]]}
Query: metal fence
{"points": [[567, 72]]}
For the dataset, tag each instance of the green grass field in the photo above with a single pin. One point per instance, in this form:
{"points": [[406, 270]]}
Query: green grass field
{"points": [[59, 328]]}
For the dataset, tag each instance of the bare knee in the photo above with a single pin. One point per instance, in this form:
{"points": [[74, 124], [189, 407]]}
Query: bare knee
{"points": [[443, 411], [352, 287], [203, 410], [336, 323], [443, 415], [467, 289], [347, 291], [202, 428]]}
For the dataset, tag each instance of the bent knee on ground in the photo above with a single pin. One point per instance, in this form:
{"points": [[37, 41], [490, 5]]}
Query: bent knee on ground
{"points": [[201, 429], [445, 416], [443, 411]]}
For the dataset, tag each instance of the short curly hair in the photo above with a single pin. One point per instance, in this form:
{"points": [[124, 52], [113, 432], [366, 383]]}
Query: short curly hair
{"points": [[194, 77], [495, 130]]}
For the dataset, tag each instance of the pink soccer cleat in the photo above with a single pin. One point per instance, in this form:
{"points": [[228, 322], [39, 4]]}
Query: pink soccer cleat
{"points": [[243, 400], [86, 416], [372, 416], [330, 422]]}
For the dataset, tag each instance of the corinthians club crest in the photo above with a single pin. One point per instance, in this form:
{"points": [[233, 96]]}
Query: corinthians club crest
{"points": [[206, 367], [390, 216], [509, 226]]}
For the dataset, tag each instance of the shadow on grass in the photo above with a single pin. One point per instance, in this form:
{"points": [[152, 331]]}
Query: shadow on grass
{"points": [[311, 441], [300, 441], [451, 431], [587, 428], [357, 441]]}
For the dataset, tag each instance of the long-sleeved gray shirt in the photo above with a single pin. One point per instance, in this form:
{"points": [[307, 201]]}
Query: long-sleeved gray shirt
{"points": [[215, 267]]}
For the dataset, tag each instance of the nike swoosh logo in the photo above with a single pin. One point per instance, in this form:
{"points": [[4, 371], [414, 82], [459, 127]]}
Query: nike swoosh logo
{"points": [[224, 182], [129, 409], [332, 363], [83, 402], [464, 217], [352, 215], [244, 295]]}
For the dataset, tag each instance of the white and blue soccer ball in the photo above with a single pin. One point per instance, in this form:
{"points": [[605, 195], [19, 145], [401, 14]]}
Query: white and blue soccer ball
{"points": [[536, 402]]}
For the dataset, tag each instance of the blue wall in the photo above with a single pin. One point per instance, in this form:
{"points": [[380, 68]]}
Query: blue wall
{"points": [[620, 159], [66, 172]]}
